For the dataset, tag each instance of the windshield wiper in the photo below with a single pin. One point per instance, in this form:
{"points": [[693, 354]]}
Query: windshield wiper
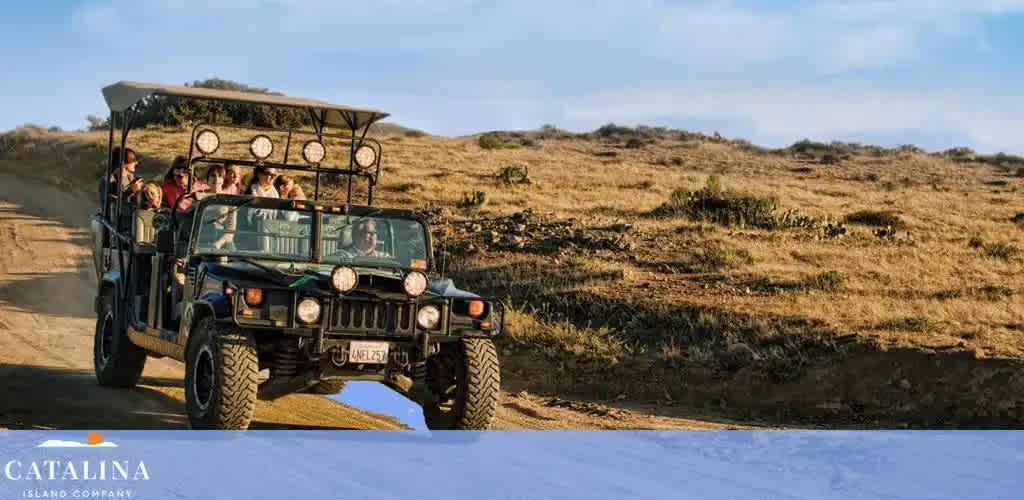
{"points": [[229, 212]]}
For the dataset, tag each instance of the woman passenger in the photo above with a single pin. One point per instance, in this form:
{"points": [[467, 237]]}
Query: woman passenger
{"points": [[225, 222], [262, 184], [288, 189], [232, 180]]}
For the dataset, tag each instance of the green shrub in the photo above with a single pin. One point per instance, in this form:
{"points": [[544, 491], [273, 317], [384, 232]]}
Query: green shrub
{"points": [[490, 140], [472, 200], [713, 203], [634, 143], [514, 174], [875, 218], [1000, 250], [827, 281], [714, 258]]}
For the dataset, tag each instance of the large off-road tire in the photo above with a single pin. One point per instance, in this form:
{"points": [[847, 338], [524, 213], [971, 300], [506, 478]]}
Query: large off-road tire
{"points": [[465, 381], [327, 387], [117, 361], [221, 377]]}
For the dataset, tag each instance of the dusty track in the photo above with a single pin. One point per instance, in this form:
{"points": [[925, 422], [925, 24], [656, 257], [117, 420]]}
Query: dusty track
{"points": [[46, 328]]}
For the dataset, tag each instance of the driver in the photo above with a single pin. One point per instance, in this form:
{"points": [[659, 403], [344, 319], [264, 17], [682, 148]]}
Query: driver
{"points": [[364, 239]]}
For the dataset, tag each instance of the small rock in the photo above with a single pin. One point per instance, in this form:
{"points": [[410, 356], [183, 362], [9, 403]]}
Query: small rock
{"points": [[979, 354], [905, 384], [475, 228], [506, 352], [620, 397], [621, 228]]}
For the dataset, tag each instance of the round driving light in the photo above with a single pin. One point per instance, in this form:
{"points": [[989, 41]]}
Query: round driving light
{"points": [[415, 283], [253, 296], [313, 152], [365, 156], [428, 317], [308, 310], [476, 308], [261, 147], [344, 279], [207, 141]]}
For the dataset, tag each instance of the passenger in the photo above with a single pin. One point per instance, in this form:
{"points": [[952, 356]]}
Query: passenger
{"points": [[232, 180], [226, 222], [151, 197], [288, 189], [108, 183], [262, 183], [176, 183]]}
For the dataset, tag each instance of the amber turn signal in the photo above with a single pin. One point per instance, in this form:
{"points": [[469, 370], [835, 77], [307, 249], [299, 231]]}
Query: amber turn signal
{"points": [[253, 296], [476, 308]]}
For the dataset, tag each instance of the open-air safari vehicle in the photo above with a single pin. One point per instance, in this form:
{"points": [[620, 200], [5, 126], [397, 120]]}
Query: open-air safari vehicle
{"points": [[299, 298]]}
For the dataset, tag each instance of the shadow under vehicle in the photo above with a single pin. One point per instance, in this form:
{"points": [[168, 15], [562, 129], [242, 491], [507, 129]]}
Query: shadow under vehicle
{"points": [[263, 297]]}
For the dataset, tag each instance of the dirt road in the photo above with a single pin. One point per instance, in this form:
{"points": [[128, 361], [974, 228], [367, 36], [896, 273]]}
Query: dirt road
{"points": [[46, 327]]}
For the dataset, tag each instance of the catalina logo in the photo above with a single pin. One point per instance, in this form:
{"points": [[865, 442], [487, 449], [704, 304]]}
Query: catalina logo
{"points": [[94, 439], [74, 474]]}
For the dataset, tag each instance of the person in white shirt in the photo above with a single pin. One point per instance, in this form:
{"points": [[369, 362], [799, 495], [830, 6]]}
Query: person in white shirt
{"points": [[262, 183]]}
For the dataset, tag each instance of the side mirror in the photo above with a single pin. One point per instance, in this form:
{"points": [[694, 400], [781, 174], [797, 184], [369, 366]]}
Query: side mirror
{"points": [[165, 241]]}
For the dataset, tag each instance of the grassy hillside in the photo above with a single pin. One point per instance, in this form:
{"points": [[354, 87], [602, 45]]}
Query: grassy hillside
{"points": [[818, 281]]}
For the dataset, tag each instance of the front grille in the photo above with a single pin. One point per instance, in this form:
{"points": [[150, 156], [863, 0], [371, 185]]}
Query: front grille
{"points": [[372, 317]]}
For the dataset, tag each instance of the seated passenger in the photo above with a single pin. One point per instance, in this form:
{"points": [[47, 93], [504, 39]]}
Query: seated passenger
{"points": [[288, 189], [176, 183], [262, 183], [108, 184], [225, 223], [148, 205], [232, 180]]}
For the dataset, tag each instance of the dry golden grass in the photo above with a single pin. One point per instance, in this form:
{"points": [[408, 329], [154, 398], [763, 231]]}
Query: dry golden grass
{"points": [[925, 288]]}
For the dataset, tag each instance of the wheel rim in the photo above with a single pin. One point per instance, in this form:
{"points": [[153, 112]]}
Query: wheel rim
{"points": [[106, 343], [202, 381]]}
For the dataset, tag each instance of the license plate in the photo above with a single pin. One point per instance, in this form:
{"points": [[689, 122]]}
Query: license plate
{"points": [[368, 352]]}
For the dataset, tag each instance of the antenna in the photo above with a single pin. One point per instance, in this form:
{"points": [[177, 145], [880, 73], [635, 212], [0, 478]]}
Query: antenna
{"points": [[444, 251]]}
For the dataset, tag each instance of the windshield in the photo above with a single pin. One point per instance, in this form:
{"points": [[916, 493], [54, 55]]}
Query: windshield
{"points": [[349, 239], [256, 232], [287, 234]]}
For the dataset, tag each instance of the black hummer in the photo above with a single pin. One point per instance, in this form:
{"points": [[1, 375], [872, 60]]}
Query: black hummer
{"points": [[262, 297]]}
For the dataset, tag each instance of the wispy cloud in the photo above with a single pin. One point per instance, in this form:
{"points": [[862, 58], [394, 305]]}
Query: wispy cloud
{"points": [[778, 71]]}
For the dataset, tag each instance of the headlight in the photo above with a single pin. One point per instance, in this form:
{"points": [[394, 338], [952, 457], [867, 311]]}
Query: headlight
{"points": [[261, 147], [365, 156], [415, 283], [344, 279], [207, 141], [428, 317], [313, 152], [308, 310]]}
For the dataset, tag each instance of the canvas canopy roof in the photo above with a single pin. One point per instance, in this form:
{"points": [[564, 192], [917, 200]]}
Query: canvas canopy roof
{"points": [[122, 95]]}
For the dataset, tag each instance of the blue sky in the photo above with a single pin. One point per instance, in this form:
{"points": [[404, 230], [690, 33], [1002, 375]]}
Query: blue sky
{"points": [[937, 73]]}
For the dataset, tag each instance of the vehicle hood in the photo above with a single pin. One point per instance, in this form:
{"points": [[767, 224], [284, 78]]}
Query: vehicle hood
{"points": [[376, 281]]}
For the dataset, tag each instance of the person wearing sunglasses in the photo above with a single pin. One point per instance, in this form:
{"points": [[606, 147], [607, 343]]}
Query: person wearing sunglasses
{"points": [[176, 184]]}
